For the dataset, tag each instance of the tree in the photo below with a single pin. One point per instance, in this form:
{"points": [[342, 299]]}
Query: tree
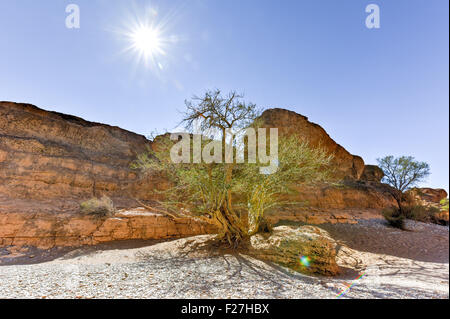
{"points": [[233, 195], [402, 173]]}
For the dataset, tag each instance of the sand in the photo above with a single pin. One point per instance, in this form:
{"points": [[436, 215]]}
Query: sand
{"points": [[377, 261]]}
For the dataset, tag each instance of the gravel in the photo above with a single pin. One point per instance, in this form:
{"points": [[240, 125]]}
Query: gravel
{"points": [[182, 269]]}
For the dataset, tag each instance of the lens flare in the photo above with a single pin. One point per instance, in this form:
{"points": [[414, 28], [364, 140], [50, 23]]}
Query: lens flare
{"points": [[305, 261], [344, 291], [147, 39]]}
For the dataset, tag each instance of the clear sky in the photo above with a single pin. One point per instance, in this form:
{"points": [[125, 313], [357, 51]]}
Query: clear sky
{"points": [[375, 91]]}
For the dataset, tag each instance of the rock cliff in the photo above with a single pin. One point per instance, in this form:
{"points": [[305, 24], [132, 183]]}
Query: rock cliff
{"points": [[51, 155], [346, 165], [50, 162]]}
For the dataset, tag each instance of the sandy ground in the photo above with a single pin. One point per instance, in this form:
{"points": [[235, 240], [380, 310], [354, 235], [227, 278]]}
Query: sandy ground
{"points": [[389, 262]]}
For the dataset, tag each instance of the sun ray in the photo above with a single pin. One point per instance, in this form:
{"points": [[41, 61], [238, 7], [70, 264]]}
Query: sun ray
{"points": [[146, 38]]}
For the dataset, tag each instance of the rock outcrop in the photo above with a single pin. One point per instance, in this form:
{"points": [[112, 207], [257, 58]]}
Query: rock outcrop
{"points": [[50, 162], [359, 184], [56, 156], [428, 195], [51, 155], [345, 165], [305, 249], [431, 197], [45, 231], [372, 173], [342, 203]]}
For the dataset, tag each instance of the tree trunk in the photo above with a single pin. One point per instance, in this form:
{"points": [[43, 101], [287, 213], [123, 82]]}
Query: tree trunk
{"points": [[398, 198], [231, 227]]}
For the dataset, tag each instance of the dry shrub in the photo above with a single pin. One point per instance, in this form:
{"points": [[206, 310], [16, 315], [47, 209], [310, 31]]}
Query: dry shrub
{"points": [[426, 214], [265, 226], [394, 217], [444, 205], [102, 207]]}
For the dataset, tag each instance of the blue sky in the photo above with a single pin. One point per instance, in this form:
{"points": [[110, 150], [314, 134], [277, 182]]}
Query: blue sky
{"points": [[375, 91]]}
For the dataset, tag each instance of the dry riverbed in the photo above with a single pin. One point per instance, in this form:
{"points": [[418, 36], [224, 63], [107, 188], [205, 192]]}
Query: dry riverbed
{"points": [[389, 264]]}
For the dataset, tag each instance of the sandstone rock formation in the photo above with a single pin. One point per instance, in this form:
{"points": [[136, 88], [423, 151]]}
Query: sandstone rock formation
{"points": [[431, 197], [50, 162], [346, 165], [372, 173], [428, 195], [358, 186], [45, 231], [305, 249], [51, 155]]}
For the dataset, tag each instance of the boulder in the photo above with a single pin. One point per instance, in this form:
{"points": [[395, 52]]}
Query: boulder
{"points": [[306, 249], [442, 217], [428, 195], [431, 199], [357, 185], [372, 173], [344, 164]]}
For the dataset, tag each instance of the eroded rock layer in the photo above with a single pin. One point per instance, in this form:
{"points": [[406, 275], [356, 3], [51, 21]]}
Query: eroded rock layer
{"points": [[45, 231], [50, 162], [346, 165], [51, 155]]}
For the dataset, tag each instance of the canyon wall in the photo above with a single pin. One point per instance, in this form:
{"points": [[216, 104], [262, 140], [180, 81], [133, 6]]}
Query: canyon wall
{"points": [[45, 231], [50, 162], [51, 155]]}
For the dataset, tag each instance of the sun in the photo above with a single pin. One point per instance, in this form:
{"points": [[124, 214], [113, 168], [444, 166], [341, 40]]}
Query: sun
{"points": [[147, 42], [148, 38]]}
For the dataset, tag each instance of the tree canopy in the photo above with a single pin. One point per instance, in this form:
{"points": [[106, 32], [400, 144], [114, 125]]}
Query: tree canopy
{"points": [[232, 195], [403, 172]]}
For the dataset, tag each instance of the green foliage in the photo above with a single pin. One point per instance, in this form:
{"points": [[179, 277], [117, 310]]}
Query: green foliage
{"points": [[403, 172], [425, 214], [232, 196], [205, 191], [444, 205], [102, 207], [298, 163]]}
